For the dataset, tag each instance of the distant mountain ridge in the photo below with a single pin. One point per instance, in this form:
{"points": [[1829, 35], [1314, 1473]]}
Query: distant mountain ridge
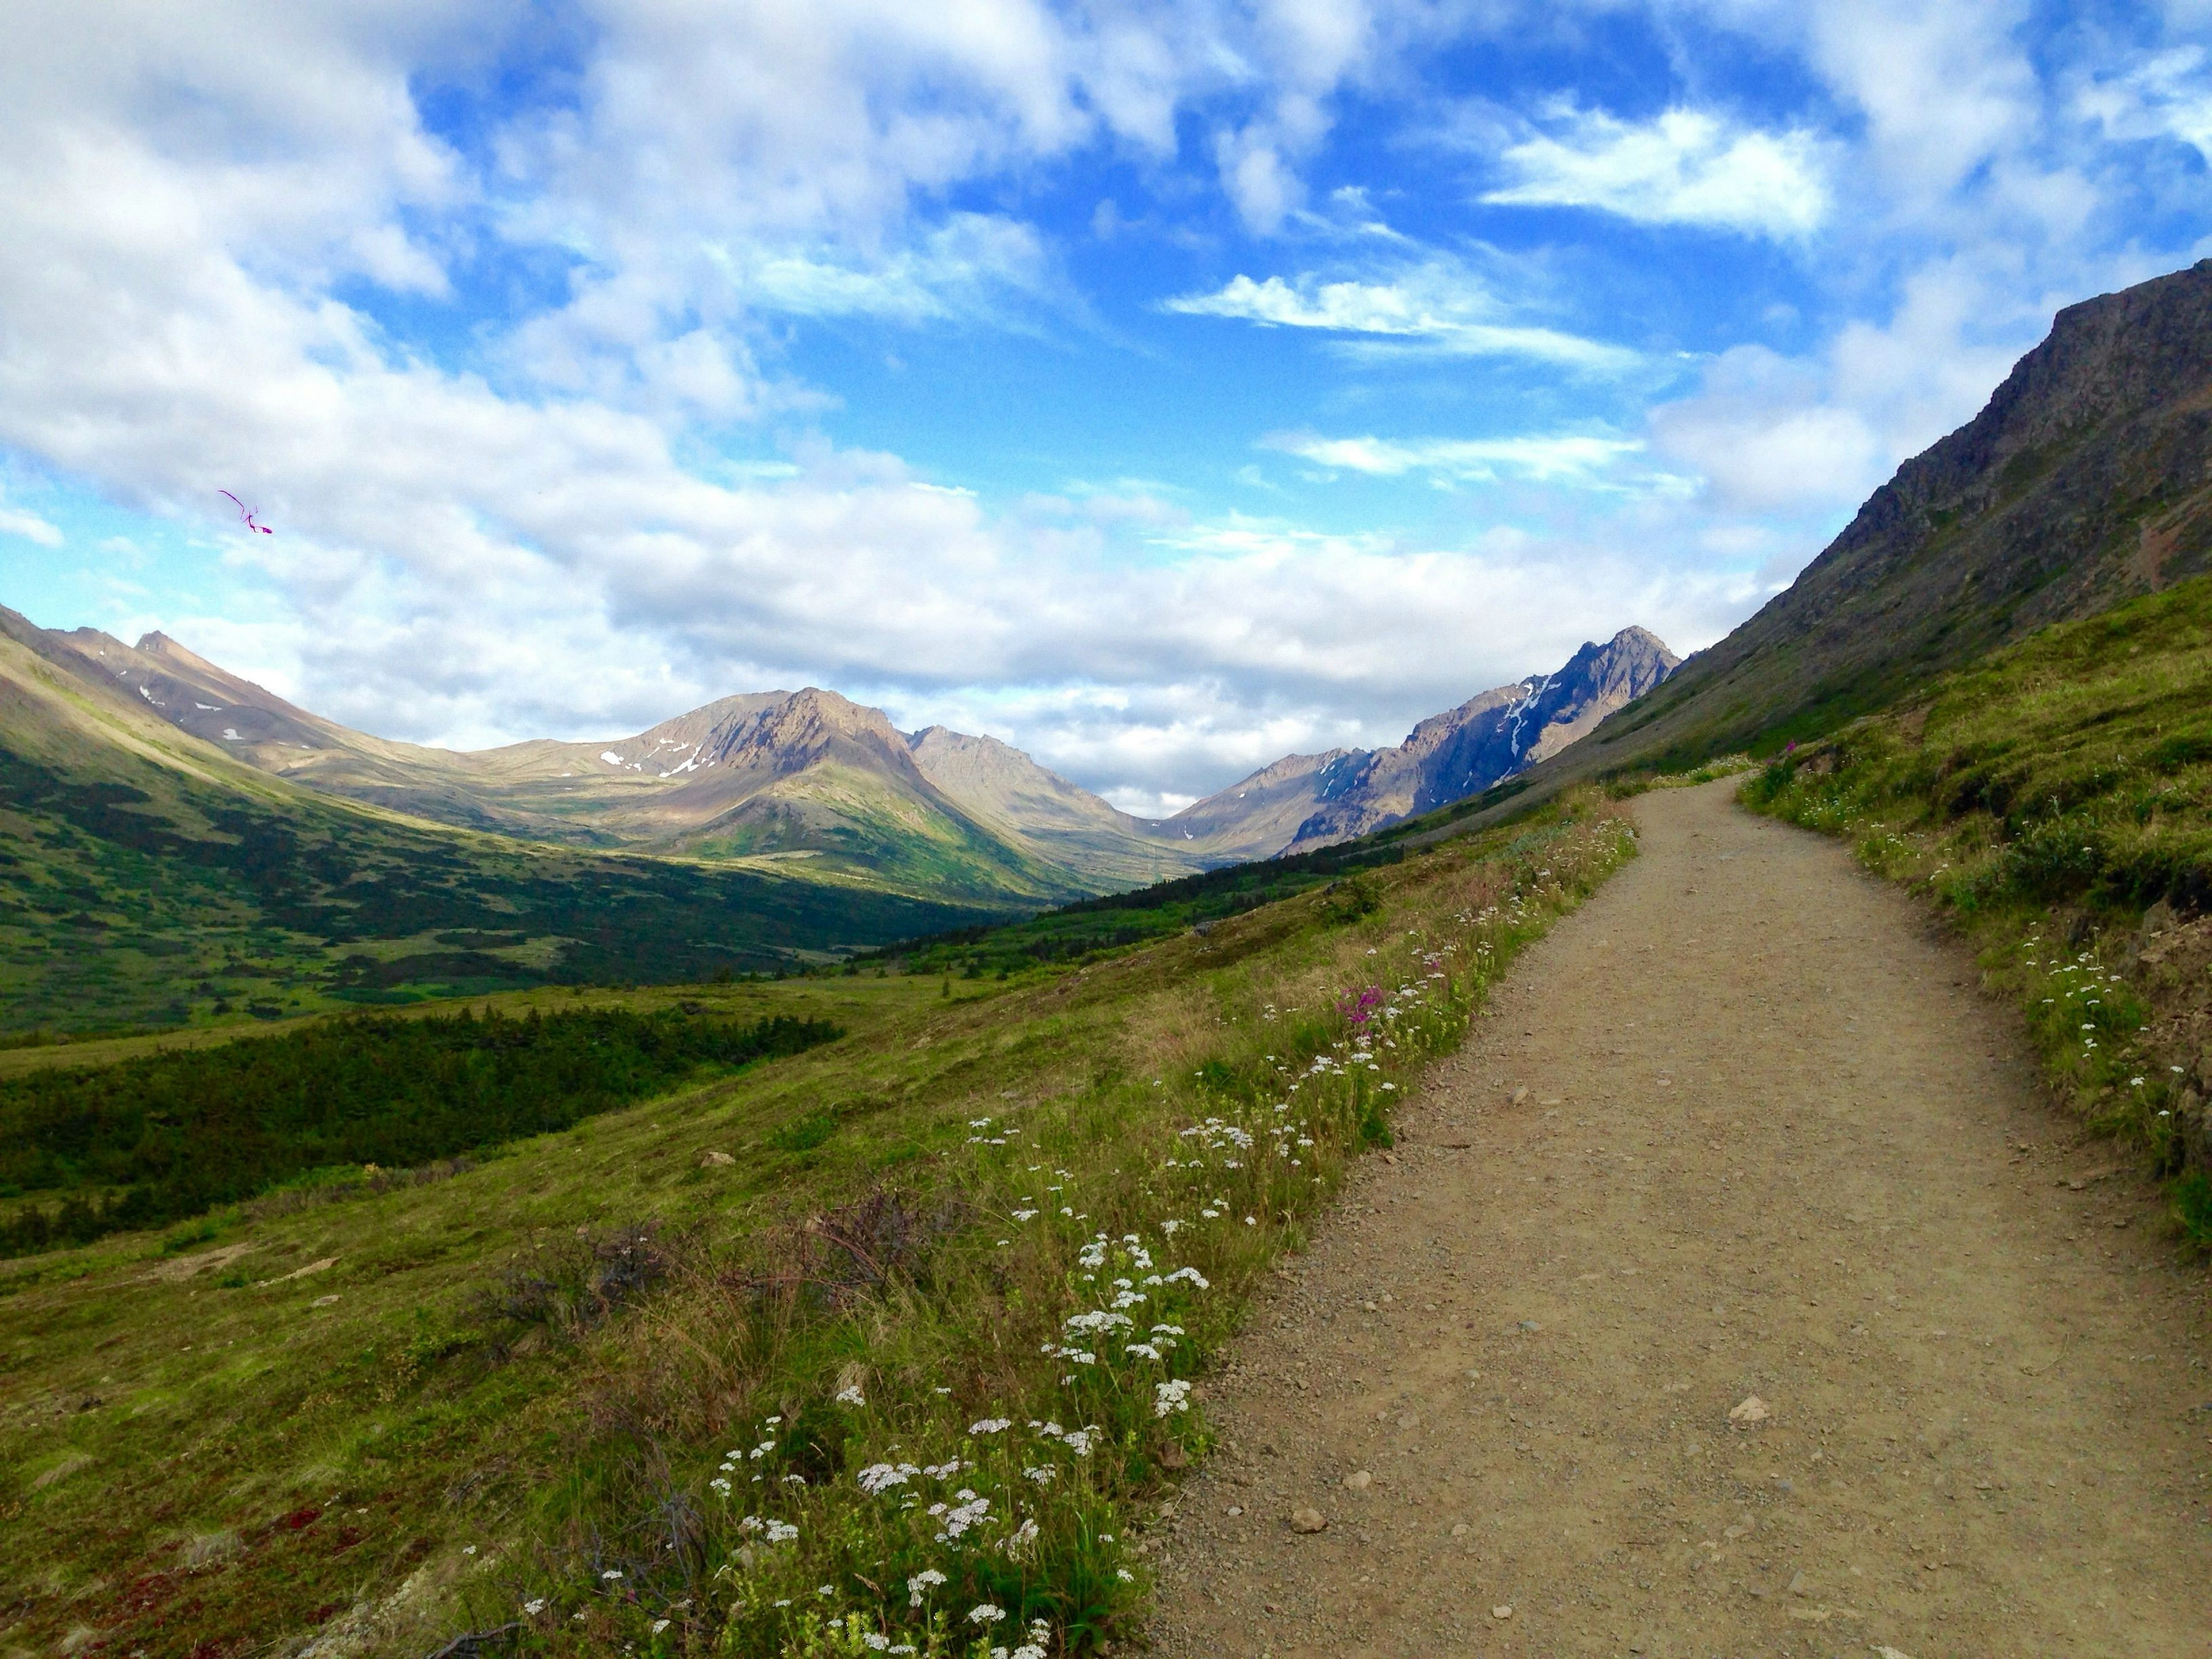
{"points": [[1324, 798], [812, 783]]}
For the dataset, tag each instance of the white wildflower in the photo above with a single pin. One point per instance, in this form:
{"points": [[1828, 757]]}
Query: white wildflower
{"points": [[1170, 1397], [984, 1613], [850, 1395], [990, 1426], [781, 1532], [923, 1581], [882, 1477]]}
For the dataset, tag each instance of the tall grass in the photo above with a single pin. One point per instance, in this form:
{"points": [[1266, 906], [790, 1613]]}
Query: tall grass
{"points": [[922, 1419]]}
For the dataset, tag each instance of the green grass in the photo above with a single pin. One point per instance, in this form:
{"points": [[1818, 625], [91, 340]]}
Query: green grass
{"points": [[144, 895], [2052, 798], [399, 1406], [1092, 928], [169, 1135]]}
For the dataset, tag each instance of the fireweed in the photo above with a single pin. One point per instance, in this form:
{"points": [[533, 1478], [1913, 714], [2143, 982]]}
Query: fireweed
{"points": [[952, 1463]]}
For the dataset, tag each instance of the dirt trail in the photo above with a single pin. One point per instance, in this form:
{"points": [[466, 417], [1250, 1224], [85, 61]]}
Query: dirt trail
{"points": [[1770, 1145]]}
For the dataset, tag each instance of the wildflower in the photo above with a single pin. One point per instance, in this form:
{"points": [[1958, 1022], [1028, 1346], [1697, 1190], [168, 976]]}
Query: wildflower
{"points": [[659, 1626], [882, 1477], [1078, 1441], [533, 1608], [984, 1613], [990, 1426], [850, 1395], [1197, 1279], [751, 1523], [927, 1579], [1124, 1575], [781, 1532], [874, 1642], [1042, 1474], [721, 1485], [1170, 1397], [1250, 1222], [612, 1572]]}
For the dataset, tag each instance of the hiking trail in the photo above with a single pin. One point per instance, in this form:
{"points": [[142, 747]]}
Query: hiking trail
{"points": [[1742, 1126]]}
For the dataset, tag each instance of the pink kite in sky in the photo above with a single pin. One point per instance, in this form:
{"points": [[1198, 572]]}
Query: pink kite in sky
{"points": [[244, 513]]}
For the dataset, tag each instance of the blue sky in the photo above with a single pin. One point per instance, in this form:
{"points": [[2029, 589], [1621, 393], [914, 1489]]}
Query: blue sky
{"points": [[1163, 388]]}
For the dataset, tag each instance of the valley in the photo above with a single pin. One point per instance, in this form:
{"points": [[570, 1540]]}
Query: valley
{"points": [[1544, 1185]]}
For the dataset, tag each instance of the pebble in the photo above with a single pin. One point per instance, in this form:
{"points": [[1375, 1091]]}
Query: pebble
{"points": [[1751, 1409], [1359, 1480], [1307, 1520], [1501, 1611]]}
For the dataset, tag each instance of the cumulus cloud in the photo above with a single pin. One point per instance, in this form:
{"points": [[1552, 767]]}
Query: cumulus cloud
{"points": [[1434, 307], [519, 518], [1685, 166], [1774, 434]]}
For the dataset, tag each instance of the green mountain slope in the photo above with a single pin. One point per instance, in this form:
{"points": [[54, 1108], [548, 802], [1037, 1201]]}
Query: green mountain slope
{"points": [[146, 877], [805, 782], [2086, 481]]}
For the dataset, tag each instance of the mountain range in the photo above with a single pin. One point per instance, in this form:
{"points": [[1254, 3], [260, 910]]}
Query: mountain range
{"points": [[809, 783]]}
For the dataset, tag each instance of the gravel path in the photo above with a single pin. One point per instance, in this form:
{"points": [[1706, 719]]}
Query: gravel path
{"points": [[1740, 1128]]}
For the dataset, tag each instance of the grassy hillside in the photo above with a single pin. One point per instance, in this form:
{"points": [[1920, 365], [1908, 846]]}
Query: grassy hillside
{"points": [[1080, 932], [2056, 800], [147, 879], [841, 1348]]}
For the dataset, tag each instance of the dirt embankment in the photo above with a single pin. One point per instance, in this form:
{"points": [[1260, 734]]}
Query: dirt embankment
{"points": [[1742, 1129]]}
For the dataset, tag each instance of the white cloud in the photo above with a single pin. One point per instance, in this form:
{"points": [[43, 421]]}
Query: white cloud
{"points": [[1433, 306], [550, 548], [1770, 433], [2167, 95], [30, 526], [1569, 458], [1685, 166]]}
